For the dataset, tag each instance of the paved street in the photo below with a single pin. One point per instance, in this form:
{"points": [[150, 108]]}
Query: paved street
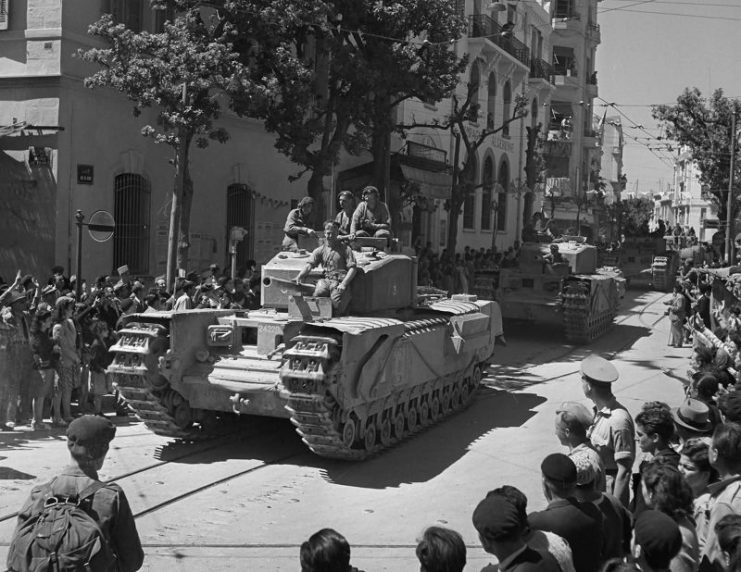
{"points": [[248, 503]]}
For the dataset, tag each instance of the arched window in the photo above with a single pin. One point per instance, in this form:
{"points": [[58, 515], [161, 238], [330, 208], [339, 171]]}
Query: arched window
{"points": [[491, 101], [239, 212], [507, 95], [131, 203], [534, 112], [469, 201], [488, 185], [474, 86], [502, 195]]}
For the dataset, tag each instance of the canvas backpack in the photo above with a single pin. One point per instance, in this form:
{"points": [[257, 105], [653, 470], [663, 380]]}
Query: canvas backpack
{"points": [[61, 536]]}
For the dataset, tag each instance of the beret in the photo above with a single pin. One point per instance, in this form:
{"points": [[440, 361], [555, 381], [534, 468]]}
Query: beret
{"points": [[558, 467], [658, 535], [496, 517], [598, 369], [90, 435]]}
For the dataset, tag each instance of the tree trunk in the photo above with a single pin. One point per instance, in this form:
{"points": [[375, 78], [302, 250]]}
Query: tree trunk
{"points": [[382, 177], [181, 160], [315, 188], [187, 207], [453, 216]]}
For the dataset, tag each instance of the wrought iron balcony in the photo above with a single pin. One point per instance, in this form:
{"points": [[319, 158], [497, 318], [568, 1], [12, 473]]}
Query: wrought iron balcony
{"points": [[540, 69], [482, 26]]}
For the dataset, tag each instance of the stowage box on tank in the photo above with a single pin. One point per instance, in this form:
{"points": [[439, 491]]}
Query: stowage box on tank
{"points": [[352, 385]]}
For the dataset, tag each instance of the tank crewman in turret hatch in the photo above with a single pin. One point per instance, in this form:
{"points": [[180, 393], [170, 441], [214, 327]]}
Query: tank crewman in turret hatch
{"points": [[372, 217], [555, 256], [344, 217], [297, 224], [338, 262]]}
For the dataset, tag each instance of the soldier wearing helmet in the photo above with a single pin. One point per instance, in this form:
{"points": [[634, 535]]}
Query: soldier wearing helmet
{"points": [[372, 217], [298, 224]]}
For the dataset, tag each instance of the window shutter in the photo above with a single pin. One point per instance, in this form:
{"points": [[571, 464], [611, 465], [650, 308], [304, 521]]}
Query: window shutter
{"points": [[4, 14]]}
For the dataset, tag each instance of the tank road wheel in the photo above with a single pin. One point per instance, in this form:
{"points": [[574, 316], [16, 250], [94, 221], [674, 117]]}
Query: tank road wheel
{"points": [[183, 414], [465, 393], [424, 413], [435, 409], [349, 432], [445, 401], [412, 418], [399, 425], [476, 377], [384, 431], [455, 397], [369, 439]]}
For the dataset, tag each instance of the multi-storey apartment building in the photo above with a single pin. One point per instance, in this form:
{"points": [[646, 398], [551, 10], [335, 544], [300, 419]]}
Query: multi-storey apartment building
{"points": [[689, 205], [64, 148], [572, 143]]}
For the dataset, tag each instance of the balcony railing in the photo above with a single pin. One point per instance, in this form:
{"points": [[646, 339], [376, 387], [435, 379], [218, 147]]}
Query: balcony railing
{"points": [[482, 26], [540, 69]]}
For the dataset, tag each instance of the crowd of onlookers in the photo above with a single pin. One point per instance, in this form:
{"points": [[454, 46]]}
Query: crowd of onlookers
{"points": [[55, 335]]}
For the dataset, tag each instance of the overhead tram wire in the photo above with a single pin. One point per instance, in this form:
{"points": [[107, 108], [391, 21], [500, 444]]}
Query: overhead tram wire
{"points": [[698, 16]]}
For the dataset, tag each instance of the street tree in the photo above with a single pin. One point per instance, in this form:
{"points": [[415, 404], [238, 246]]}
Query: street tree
{"points": [[703, 125], [463, 122], [182, 74], [351, 63]]}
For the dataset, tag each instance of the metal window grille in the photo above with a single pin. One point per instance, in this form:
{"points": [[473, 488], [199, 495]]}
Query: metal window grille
{"points": [[128, 13], [239, 212], [131, 206], [486, 194], [502, 197], [468, 211]]}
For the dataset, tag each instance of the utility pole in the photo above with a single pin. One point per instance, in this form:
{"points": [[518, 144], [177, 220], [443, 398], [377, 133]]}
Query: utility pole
{"points": [[729, 200]]}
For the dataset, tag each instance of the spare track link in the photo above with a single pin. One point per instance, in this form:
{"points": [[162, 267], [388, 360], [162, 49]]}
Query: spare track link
{"points": [[149, 404], [581, 326], [331, 432]]}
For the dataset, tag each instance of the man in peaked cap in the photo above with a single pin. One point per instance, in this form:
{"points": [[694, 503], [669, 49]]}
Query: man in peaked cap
{"points": [[88, 439], [612, 432], [580, 524]]}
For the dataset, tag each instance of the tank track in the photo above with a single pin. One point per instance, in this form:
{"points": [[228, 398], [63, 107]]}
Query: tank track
{"points": [[312, 368], [162, 409], [660, 274], [581, 326]]}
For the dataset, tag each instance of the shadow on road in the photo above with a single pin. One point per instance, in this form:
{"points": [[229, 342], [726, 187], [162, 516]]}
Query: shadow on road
{"points": [[431, 452]]}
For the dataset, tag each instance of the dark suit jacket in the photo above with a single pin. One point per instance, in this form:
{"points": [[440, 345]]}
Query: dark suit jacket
{"points": [[529, 560], [580, 524]]}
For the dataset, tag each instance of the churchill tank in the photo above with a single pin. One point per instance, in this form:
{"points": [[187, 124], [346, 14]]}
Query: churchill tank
{"points": [[351, 385], [571, 293]]}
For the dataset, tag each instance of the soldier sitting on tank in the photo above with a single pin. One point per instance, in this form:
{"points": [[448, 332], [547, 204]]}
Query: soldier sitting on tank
{"points": [[297, 224], [344, 217], [371, 217], [338, 262], [555, 256]]}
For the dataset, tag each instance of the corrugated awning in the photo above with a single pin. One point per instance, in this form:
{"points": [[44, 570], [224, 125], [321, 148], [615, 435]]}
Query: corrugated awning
{"points": [[432, 184]]}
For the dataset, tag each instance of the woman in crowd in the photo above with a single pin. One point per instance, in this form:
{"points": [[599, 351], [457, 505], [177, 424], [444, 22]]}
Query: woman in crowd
{"points": [[100, 359], [698, 473], [728, 531], [64, 335], [665, 489], [677, 317], [45, 362]]}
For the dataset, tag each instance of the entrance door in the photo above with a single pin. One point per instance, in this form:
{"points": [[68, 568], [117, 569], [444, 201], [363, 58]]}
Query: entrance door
{"points": [[239, 212]]}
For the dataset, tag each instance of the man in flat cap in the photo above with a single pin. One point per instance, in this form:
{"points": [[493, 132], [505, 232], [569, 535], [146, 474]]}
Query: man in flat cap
{"points": [[88, 439], [502, 527], [612, 432], [580, 524], [657, 541]]}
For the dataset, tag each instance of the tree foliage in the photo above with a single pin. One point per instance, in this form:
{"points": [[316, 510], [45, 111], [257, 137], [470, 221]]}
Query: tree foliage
{"points": [[336, 89], [182, 73], [703, 125], [632, 215]]}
